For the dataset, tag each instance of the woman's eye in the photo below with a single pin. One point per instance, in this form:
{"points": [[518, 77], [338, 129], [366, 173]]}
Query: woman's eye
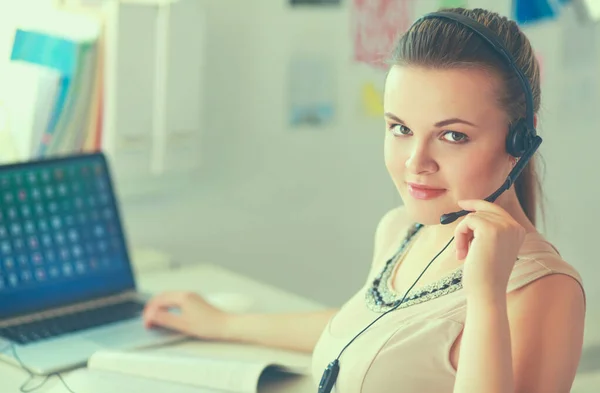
{"points": [[398, 129], [455, 137]]}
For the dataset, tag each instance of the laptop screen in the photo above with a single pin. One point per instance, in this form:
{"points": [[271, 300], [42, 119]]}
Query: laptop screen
{"points": [[61, 238]]}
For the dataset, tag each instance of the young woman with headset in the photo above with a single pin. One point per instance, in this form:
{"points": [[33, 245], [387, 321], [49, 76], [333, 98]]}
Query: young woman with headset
{"points": [[500, 310]]}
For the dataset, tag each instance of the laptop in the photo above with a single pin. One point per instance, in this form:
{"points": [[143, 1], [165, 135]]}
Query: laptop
{"points": [[67, 287]]}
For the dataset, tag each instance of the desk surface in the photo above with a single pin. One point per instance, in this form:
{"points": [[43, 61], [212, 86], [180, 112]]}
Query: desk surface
{"points": [[203, 279]]}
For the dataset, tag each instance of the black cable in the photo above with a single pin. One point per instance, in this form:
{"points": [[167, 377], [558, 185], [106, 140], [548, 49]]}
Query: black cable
{"points": [[31, 375], [398, 304], [331, 372]]}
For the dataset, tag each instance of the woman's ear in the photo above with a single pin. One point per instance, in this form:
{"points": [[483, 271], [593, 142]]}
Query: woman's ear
{"points": [[535, 121]]}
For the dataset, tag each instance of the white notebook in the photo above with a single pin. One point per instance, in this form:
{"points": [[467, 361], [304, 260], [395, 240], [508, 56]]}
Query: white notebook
{"points": [[206, 368]]}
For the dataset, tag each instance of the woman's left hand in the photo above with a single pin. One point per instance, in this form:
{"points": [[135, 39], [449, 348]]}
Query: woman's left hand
{"points": [[488, 240]]}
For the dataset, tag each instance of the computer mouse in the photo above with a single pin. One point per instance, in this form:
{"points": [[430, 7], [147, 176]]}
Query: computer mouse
{"points": [[230, 301]]}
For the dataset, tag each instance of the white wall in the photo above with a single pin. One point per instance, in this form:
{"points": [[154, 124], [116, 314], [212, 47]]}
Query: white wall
{"points": [[295, 207], [298, 208]]}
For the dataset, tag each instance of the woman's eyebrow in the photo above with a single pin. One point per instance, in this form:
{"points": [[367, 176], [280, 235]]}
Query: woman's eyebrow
{"points": [[454, 120], [439, 124]]}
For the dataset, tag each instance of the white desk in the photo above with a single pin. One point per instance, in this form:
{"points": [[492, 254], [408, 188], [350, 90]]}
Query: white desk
{"points": [[202, 279]]}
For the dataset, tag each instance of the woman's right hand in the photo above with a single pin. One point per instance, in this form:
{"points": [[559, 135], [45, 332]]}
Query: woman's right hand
{"points": [[194, 316]]}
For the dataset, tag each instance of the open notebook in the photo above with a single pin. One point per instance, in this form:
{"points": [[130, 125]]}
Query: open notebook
{"points": [[205, 368]]}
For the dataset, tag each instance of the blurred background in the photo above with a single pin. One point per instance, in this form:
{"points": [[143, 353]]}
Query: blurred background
{"points": [[249, 134]]}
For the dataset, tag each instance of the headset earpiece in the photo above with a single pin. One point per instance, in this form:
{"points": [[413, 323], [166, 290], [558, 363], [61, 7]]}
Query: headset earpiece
{"points": [[519, 139]]}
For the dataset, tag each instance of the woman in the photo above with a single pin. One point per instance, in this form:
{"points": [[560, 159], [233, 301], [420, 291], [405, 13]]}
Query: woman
{"points": [[500, 310]]}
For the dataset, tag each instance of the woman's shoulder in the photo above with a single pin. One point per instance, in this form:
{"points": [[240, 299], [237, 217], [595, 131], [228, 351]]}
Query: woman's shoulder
{"points": [[540, 259], [389, 234], [537, 249]]}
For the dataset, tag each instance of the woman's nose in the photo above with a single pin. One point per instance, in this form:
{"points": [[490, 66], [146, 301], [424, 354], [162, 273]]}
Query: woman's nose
{"points": [[420, 160]]}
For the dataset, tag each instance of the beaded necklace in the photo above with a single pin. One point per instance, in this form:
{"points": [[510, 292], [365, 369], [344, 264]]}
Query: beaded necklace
{"points": [[380, 298]]}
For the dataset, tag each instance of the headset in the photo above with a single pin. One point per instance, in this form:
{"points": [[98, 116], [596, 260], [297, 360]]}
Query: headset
{"points": [[522, 142]]}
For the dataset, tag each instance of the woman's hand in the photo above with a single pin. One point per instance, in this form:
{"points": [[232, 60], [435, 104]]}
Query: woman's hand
{"points": [[192, 316], [488, 240]]}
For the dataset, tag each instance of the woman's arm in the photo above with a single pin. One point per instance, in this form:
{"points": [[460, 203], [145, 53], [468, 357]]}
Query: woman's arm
{"points": [[292, 331], [530, 342], [485, 363], [197, 318]]}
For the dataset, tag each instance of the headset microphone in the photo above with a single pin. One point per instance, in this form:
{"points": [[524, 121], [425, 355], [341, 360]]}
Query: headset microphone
{"points": [[510, 180]]}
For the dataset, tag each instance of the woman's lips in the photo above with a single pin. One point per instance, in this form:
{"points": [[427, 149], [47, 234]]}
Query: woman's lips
{"points": [[424, 192]]}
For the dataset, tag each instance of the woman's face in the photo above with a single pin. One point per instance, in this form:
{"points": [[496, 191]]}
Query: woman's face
{"points": [[444, 131]]}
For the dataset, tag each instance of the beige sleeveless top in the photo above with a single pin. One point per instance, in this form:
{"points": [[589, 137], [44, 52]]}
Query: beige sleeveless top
{"points": [[408, 349]]}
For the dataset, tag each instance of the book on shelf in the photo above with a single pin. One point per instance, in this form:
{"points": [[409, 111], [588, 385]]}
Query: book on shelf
{"points": [[88, 78], [58, 60]]}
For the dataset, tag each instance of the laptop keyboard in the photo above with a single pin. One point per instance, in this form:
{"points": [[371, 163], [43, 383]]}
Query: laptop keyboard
{"points": [[57, 326]]}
